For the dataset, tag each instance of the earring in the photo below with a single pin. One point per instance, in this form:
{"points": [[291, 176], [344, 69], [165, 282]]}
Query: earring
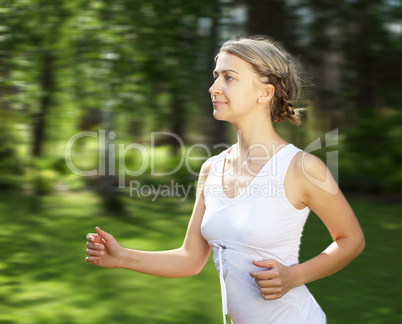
{"points": [[259, 100]]}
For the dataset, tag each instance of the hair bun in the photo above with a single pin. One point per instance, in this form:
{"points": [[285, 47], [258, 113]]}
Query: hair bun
{"points": [[287, 110], [290, 109]]}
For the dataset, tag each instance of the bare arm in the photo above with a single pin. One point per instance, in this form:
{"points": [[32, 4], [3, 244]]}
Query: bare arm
{"points": [[323, 196], [188, 260]]}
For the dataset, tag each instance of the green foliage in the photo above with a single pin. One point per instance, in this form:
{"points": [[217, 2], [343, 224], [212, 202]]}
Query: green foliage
{"points": [[135, 67], [72, 182], [10, 162], [44, 181], [10, 182], [59, 165], [376, 167], [47, 173]]}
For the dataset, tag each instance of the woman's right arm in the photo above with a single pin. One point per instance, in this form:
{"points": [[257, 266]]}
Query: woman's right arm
{"points": [[104, 251]]}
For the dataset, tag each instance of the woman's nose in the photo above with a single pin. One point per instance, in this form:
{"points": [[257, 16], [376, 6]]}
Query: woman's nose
{"points": [[215, 88]]}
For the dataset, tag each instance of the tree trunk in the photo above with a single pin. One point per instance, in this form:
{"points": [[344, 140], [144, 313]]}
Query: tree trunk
{"points": [[177, 121], [47, 87], [216, 130]]}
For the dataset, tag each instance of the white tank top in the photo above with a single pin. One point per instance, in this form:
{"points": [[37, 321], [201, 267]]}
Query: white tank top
{"points": [[258, 224]]}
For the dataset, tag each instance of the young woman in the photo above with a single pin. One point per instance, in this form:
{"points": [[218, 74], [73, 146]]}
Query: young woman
{"points": [[253, 200]]}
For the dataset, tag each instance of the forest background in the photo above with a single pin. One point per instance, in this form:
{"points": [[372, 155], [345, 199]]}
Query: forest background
{"points": [[90, 90]]}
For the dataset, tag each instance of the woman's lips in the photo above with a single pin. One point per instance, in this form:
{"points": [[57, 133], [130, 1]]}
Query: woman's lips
{"points": [[218, 103]]}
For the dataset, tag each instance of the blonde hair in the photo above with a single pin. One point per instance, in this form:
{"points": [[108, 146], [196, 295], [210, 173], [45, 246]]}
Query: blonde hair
{"points": [[275, 67]]}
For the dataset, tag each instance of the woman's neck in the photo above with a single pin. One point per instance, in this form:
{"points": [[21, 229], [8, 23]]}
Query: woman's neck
{"points": [[258, 139]]}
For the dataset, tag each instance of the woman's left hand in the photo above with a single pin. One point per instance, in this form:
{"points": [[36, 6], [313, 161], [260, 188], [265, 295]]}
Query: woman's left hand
{"points": [[275, 281]]}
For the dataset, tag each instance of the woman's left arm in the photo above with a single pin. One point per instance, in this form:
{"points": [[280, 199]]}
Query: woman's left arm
{"points": [[322, 195]]}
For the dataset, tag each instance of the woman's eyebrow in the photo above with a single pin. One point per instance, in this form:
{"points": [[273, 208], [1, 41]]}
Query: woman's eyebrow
{"points": [[223, 71]]}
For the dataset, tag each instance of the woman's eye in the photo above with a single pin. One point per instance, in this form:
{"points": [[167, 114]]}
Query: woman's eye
{"points": [[228, 78]]}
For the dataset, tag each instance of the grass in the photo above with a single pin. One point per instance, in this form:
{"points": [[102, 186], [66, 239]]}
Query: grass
{"points": [[44, 278]]}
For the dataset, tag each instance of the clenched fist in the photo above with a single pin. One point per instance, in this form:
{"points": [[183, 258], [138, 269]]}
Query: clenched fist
{"points": [[103, 250]]}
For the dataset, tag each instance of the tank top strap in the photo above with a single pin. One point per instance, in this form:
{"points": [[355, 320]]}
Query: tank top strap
{"points": [[280, 165], [214, 178]]}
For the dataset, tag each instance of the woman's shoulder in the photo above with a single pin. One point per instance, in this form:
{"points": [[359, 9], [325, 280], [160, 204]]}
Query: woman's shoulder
{"points": [[206, 169], [206, 166], [311, 171], [306, 162]]}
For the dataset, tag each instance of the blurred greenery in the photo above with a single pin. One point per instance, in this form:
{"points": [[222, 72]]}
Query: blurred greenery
{"points": [[45, 279], [132, 68], [123, 70]]}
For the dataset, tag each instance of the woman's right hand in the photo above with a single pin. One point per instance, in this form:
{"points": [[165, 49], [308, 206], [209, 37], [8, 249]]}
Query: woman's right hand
{"points": [[103, 250]]}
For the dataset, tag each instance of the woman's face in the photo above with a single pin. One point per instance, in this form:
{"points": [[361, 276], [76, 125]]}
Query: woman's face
{"points": [[236, 89]]}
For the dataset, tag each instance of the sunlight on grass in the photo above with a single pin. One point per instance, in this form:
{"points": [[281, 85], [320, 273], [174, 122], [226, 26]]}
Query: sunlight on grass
{"points": [[45, 279]]}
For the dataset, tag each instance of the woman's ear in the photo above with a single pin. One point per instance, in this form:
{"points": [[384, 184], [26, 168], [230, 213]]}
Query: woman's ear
{"points": [[267, 93]]}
